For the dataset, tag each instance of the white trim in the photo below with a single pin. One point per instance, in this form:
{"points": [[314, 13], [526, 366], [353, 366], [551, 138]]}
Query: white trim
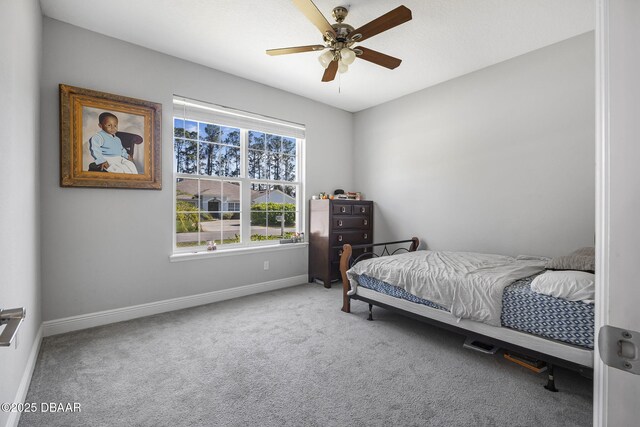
{"points": [[600, 380], [244, 179], [186, 256], [557, 349], [237, 113], [84, 321], [21, 394]]}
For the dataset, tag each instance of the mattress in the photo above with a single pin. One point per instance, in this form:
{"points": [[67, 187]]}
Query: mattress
{"points": [[469, 284], [523, 310]]}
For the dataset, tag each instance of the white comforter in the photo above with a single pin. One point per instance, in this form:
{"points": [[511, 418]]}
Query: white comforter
{"points": [[468, 284]]}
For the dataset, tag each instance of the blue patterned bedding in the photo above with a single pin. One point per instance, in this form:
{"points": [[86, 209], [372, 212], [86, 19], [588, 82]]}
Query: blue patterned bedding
{"points": [[547, 316], [524, 310]]}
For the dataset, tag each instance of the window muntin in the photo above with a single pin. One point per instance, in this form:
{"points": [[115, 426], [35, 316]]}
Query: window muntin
{"points": [[235, 186], [207, 210], [274, 211], [271, 157], [206, 149]]}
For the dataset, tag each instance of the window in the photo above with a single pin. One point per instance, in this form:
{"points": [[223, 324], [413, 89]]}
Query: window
{"points": [[238, 179]]}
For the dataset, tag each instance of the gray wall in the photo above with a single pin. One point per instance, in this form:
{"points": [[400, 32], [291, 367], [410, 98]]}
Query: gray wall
{"points": [[501, 160], [20, 45], [103, 248]]}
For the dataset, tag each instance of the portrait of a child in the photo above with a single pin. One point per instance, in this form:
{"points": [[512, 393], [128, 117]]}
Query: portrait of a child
{"points": [[106, 148]]}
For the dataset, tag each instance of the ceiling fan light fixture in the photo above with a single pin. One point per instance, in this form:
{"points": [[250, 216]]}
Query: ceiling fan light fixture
{"points": [[342, 67], [347, 55], [326, 58]]}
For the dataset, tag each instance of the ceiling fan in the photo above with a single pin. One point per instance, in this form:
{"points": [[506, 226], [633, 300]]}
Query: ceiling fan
{"points": [[339, 38]]}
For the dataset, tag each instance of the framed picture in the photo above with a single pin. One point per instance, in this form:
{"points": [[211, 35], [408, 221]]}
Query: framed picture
{"points": [[109, 141]]}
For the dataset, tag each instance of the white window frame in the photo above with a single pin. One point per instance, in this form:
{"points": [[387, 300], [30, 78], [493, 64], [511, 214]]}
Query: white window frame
{"points": [[244, 179]]}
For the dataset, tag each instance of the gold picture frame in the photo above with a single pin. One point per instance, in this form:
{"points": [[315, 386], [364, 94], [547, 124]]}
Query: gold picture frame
{"points": [[93, 154]]}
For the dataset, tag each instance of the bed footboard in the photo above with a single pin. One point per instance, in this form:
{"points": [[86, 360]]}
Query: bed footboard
{"points": [[351, 254]]}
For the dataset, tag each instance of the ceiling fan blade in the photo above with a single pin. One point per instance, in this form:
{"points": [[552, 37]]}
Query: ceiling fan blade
{"points": [[296, 49], [314, 15], [330, 72], [378, 58], [397, 16]]}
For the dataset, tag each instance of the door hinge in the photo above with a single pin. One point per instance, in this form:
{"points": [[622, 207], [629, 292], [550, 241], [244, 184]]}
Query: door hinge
{"points": [[619, 348]]}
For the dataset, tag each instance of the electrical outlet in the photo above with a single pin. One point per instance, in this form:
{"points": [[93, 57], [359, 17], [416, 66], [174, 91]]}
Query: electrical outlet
{"points": [[266, 265]]}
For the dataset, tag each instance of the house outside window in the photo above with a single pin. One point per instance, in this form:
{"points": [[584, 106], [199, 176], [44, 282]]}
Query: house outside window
{"points": [[238, 177]]}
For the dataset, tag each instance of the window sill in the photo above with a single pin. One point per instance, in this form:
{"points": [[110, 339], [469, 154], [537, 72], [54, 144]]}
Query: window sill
{"points": [[186, 256]]}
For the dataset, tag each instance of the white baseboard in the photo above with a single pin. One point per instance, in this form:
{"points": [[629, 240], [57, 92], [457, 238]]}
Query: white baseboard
{"points": [[84, 321], [21, 394]]}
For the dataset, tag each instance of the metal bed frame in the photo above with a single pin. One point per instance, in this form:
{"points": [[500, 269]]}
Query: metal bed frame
{"points": [[391, 248]]}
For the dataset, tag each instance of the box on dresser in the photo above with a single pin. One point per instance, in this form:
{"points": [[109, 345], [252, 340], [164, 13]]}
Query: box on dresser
{"points": [[332, 223]]}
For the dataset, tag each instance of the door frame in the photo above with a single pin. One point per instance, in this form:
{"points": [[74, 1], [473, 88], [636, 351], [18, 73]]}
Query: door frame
{"points": [[600, 391]]}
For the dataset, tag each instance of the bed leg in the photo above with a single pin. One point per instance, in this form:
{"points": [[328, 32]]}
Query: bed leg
{"points": [[345, 256], [370, 312], [346, 304], [551, 385]]}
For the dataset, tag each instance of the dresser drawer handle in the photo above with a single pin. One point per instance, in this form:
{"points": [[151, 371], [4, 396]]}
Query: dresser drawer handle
{"points": [[363, 209], [343, 209], [365, 222], [340, 238], [339, 223], [366, 236], [340, 252]]}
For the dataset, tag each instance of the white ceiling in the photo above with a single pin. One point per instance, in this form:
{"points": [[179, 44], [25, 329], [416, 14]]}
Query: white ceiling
{"points": [[445, 39]]}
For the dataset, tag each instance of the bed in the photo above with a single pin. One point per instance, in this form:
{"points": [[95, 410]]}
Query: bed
{"points": [[504, 313]]}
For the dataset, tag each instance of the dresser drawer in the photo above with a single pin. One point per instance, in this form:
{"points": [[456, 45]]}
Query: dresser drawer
{"points": [[362, 222], [341, 209], [351, 237], [336, 253], [361, 209]]}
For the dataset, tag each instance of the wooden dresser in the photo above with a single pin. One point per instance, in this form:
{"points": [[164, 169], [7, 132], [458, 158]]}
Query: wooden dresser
{"points": [[332, 223]]}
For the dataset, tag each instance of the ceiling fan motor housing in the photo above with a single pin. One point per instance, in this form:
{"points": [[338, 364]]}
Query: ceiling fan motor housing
{"points": [[342, 31]]}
